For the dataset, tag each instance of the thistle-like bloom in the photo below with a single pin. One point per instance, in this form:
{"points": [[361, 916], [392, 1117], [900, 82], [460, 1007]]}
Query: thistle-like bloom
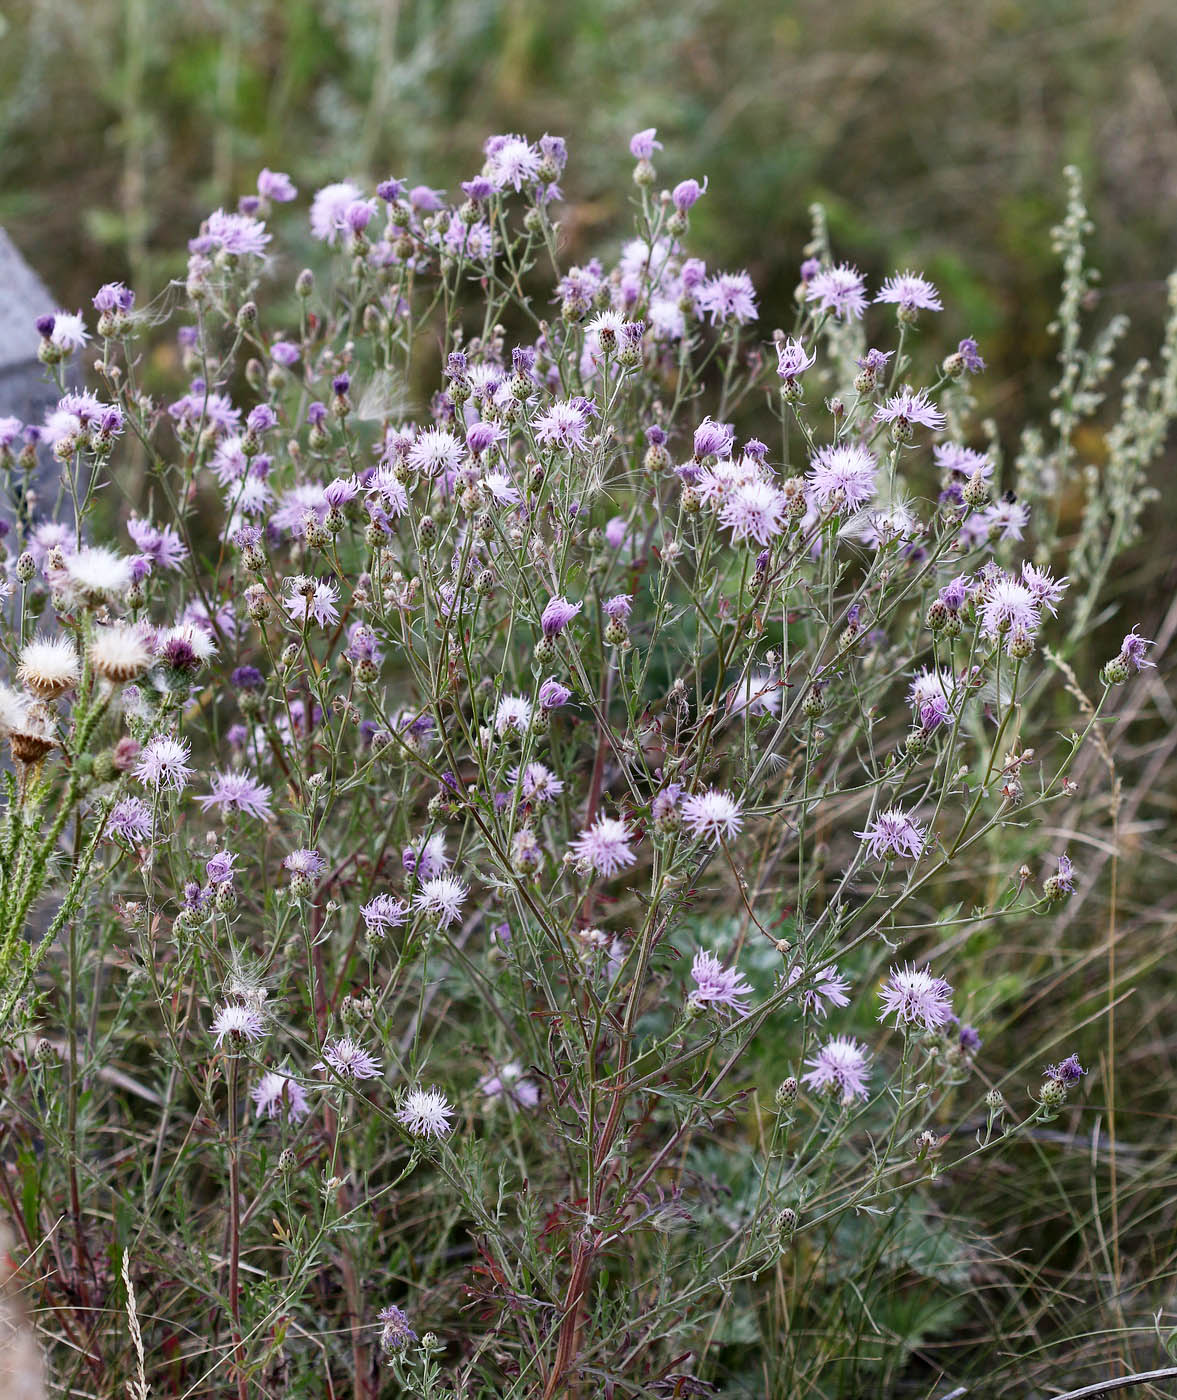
{"points": [[604, 846], [1046, 590], [713, 439], [349, 1059], [931, 697], [894, 833], [219, 867], [838, 289], [68, 331], [1067, 1072], [511, 162], [318, 602], [754, 511], [441, 899], [841, 1066], [728, 297], [329, 207], [642, 144], [238, 1023], [234, 790], [1008, 606], [1006, 519], [162, 546], [131, 819], [305, 862], [276, 185], [276, 1093], [618, 608], [236, 234], [712, 815], [119, 653], [425, 1113], [97, 572], [395, 1332], [512, 715], [716, 985], [436, 451], [384, 913], [912, 994], [911, 291], [49, 666], [552, 694], [1132, 652], [910, 407], [564, 425], [557, 615], [962, 462], [537, 783], [163, 764], [842, 476], [827, 988], [792, 361]]}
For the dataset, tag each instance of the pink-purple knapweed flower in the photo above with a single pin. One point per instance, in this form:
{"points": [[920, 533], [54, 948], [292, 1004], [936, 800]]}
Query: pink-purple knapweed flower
{"points": [[276, 1093], [712, 815], [841, 1066], [894, 833], [234, 790], [163, 764], [754, 511], [842, 477], [913, 995], [425, 1113], [826, 988], [716, 985], [910, 291], [839, 289], [238, 1024], [349, 1059], [441, 899], [909, 407], [604, 846], [557, 615]]}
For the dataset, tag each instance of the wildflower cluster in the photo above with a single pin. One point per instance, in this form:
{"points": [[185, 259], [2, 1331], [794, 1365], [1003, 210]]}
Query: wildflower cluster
{"points": [[478, 744]]}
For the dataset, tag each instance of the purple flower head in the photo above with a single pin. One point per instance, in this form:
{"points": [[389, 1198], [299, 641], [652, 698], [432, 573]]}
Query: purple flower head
{"points": [[686, 194], [163, 764], [842, 477], [219, 868], [238, 235], [967, 350], [275, 1093], [791, 360], [893, 833], [755, 511], [713, 439], [249, 204], [276, 185], [1132, 652], [441, 899], [131, 819], [1065, 878], [44, 325], [729, 297], [912, 994], [316, 414], [1046, 590], [384, 913], [911, 291], [827, 987], [953, 594], [1008, 606], [349, 1059], [480, 436], [479, 188], [358, 215], [557, 615], [238, 1024], [712, 815], [395, 1334], [809, 270], [163, 547], [716, 985], [425, 1113], [235, 790], [284, 353], [1067, 1072], [391, 190], [261, 419], [642, 144], [874, 361], [909, 407], [619, 607], [564, 425], [839, 290], [341, 384], [114, 297], [604, 846], [842, 1067], [666, 802], [552, 695], [425, 200], [756, 449]]}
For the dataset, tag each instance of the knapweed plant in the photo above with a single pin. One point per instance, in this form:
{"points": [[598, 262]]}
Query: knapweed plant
{"points": [[489, 841]]}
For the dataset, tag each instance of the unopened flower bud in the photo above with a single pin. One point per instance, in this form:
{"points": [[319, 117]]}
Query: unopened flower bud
{"points": [[975, 491], [786, 1223], [26, 567], [786, 1093], [246, 315], [304, 283], [937, 615]]}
